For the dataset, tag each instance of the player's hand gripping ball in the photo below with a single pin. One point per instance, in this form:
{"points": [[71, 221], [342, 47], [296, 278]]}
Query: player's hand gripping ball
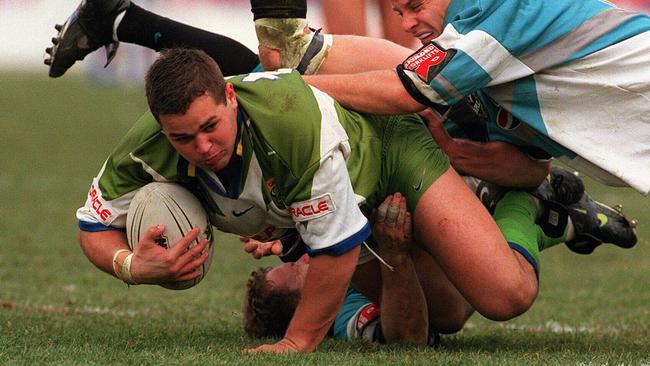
{"points": [[176, 208]]}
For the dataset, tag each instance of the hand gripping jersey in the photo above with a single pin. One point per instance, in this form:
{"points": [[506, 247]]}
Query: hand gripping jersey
{"points": [[569, 77], [305, 163]]}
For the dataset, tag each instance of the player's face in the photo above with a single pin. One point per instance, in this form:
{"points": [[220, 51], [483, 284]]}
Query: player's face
{"points": [[290, 276], [205, 135], [422, 18]]}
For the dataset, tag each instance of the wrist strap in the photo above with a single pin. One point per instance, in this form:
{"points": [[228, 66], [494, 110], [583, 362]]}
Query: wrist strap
{"points": [[123, 271], [126, 270]]}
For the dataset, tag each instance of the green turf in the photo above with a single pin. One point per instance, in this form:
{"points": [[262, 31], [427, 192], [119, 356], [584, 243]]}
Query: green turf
{"points": [[56, 308]]}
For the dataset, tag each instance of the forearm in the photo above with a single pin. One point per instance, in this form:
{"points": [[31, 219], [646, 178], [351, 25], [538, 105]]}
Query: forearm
{"points": [[404, 315], [100, 247], [378, 92], [383, 53], [496, 162], [323, 292]]}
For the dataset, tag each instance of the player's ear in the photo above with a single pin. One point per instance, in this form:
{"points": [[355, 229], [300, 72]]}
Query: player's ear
{"points": [[231, 96]]}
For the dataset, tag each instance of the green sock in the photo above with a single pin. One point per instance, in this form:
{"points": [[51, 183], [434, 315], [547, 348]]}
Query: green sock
{"points": [[546, 241], [515, 215]]}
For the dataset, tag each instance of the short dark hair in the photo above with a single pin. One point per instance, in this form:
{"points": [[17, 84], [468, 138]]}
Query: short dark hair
{"points": [[180, 75], [267, 310]]}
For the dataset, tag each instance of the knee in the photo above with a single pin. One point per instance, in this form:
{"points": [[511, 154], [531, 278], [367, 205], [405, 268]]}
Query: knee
{"points": [[508, 303], [454, 321]]}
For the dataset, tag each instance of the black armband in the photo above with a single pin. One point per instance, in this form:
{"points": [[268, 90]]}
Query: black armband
{"points": [[279, 9], [419, 69]]}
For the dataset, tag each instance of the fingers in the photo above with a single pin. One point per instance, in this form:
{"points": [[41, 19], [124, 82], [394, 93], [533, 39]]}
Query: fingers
{"points": [[401, 214], [193, 252], [408, 228], [265, 249], [251, 245], [392, 210], [259, 249], [184, 243], [193, 268], [276, 247], [432, 118], [153, 234], [382, 210]]}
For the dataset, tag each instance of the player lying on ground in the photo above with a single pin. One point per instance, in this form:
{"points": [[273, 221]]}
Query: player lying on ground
{"points": [[272, 294], [518, 164]]}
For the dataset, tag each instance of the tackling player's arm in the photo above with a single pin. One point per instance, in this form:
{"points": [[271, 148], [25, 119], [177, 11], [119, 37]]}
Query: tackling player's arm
{"points": [[493, 161], [404, 314], [378, 92]]}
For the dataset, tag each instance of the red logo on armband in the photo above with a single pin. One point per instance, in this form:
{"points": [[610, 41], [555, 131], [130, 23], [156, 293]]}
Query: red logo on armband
{"points": [[369, 313], [424, 60], [97, 205], [309, 210]]}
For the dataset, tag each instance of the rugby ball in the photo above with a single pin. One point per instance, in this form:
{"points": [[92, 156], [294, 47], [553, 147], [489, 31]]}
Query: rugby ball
{"points": [[179, 210]]}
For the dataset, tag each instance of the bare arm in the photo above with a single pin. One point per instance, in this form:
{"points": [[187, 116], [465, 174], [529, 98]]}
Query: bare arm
{"points": [[100, 246], [497, 162], [378, 92], [378, 54], [370, 84], [323, 292], [404, 315]]}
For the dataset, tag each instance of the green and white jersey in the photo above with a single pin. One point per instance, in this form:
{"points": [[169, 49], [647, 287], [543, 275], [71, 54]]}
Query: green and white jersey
{"points": [[293, 150], [306, 164]]}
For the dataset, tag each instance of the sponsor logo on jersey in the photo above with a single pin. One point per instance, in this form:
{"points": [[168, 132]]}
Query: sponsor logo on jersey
{"points": [[424, 62], [506, 120], [475, 103], [98, 205], [242, 213], [369, 313], [312, 209]]}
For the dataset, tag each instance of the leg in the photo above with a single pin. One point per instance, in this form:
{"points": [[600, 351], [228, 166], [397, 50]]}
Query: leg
{"points": [[392, 25], [93, 23], [354, 21], [448, 309], [460, 235]]}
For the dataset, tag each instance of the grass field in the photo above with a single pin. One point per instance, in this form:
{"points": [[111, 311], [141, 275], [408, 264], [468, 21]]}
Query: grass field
{"points": [[56, 308]]}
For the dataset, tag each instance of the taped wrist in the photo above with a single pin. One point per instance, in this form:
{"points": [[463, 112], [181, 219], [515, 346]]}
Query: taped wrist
{"points": [[419, 69], [298, 50], [123, 270]]}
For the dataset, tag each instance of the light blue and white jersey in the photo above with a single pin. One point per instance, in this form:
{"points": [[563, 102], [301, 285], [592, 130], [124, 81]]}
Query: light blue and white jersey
{"points": [[577, 72]]}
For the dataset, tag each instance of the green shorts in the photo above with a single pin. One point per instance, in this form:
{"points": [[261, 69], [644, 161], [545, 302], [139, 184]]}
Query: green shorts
{"points": [[410, 160]]}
